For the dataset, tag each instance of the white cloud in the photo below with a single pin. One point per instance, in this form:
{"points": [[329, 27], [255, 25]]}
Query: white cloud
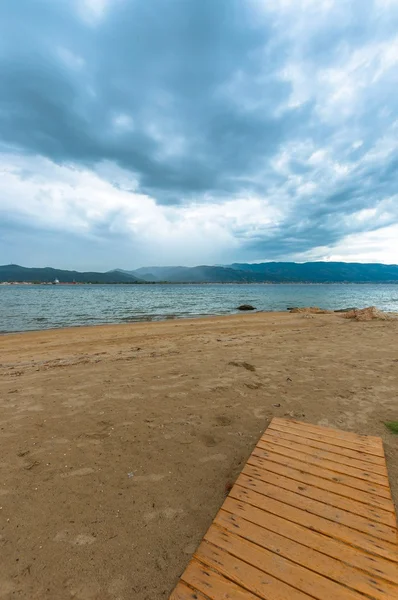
{"points": [[380, 246], [82, 202], [93, 11]]}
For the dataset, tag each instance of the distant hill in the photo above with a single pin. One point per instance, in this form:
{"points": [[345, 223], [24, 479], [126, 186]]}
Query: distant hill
{"points": [[202, 274], [47, 274], [321, 272], [274, 272]]}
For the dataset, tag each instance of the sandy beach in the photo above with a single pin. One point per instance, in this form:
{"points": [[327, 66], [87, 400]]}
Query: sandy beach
{"points": [[119, 443]]}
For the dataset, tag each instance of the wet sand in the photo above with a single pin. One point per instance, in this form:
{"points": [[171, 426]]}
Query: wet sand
{"points": [[118, 443]]}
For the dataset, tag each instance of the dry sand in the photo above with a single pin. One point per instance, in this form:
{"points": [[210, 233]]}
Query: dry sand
{"points": [[118, 443]]}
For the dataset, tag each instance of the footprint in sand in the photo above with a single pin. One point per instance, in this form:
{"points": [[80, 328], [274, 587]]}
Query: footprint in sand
{"points": [[209, 440], [223, 420], [213, 458], [74, 403], [260, 413], [166, 513], [81, 539], [78, 472]]}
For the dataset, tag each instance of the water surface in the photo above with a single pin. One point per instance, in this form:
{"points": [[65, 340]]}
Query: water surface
{"points": [[30, 307]]}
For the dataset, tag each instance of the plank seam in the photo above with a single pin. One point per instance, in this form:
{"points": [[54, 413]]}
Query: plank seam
{"points": [[285, 429], [344, 485], [377, 581], [247, 563], [361, 531], [343, 562], [299, 493], [289, 560], [269, 439], [203, 562], [327, 535], [304, 470], [332, 431], [309, 442], [313, 461]]}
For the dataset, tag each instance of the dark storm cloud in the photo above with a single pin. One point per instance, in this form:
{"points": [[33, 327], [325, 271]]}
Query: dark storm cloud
{"points": [[196, 99], [161, 63]]}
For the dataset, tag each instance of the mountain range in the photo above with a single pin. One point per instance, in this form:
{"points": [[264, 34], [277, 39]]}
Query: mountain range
{"points": [[274, 272], [270, 272], [48, 275]]}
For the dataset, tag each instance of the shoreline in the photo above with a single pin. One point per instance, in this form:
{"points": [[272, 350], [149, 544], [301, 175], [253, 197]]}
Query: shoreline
{"points": [[144, 321], [77, 284], [176, 319]]}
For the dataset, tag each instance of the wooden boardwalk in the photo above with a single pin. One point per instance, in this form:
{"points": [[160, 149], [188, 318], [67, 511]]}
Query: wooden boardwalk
{"points": [[309, 517]]}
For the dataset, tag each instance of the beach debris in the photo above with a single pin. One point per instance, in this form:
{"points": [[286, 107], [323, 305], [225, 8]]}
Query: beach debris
{"points": [[294, 414], [254, 386], [243, 364], [228, 487], [130, 475], [345, 310], [288, 379], [371, 313], [246, 307], [31, 465], [276, 405]]}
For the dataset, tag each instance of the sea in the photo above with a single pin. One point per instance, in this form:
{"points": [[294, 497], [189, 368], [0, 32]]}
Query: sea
{"points": [[35, 307]]}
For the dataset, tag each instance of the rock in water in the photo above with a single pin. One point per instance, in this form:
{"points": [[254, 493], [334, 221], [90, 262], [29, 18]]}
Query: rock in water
{"points": [[246, 307]]}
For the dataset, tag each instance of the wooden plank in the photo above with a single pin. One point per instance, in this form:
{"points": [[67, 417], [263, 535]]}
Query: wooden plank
{"points": [[297, 474], [243, 572], [368, 440], [314, 522], [328, 497], [329, 439], [316, 507], [310, 517], [307, 467], [213, 585], [330, 465], [377, 461], [276, 565], [306, 557], [372, 565], [183, 592], [302, 446]]}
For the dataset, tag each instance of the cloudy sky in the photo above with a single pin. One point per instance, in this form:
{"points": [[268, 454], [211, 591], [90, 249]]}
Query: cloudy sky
{"points": [[142, 132]]}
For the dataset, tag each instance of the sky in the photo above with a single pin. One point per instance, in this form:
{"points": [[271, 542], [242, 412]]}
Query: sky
{"points": [[183, 132]]}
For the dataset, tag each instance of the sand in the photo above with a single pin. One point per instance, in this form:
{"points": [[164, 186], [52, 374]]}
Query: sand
{"points": [[118, 443]]}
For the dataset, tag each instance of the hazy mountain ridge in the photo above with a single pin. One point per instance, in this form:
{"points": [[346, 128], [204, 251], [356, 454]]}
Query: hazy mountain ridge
{"points": [[275, 272], [17, 273], [272, 272]]}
